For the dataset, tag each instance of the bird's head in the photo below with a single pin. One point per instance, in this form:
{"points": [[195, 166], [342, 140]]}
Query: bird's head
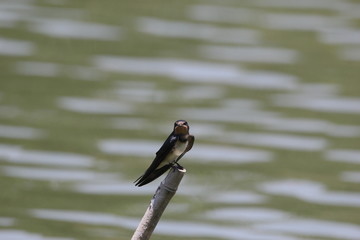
{"points": [[181, 127]]}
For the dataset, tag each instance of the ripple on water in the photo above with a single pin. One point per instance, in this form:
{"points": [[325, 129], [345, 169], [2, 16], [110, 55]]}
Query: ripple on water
{"points": [[10, 234], [350, 176], [197, 71], [350, 53], [250, 54], [249, 214], [304, 4], [65, 28], [312, 192], [21, 132], [16, 154], [128, 188], [50, 69], [94, 106], [49, 174], [215, 13], [210, 33], [238, 197], [312, 227], [280, 141], [170, 228], [6, 221], [300, 22], [343, 155], [12, 47], [318, 103]]}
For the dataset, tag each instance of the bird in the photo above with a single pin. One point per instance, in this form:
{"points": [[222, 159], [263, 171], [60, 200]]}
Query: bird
{"points": [[173, 149]]}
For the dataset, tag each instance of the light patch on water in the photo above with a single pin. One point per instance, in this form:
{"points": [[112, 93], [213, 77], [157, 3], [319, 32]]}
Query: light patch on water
{"points": [[128, 188], [48, 69], [250, 54], [195, 229], [318, 103], [138, 94], [92, 218], [204, 130], [305, 125], [202, 152], [173, 68], [249, 214], [128, 123], [350, 53], [322, 89], [64, 28], [201, 93], [94, 106], [343, 155], [316, 228], [170, 228], [248, 111], [300, 22], [304, 4], [350, 177], [21, 132], [269, 80], [214, 13], [12, 47], [16, 154], [339, 36], [241, 103], [6, 222], [280, 141], [312, 192], [227, 115], [10, 234], [238, 197], [206, 32], [43, 69], [9, 111], [54, 174], [112, 188], [7, 19], [197, 71]]}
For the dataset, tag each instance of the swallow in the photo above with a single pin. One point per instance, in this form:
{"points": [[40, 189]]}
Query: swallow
{"points": [[173, 149]]}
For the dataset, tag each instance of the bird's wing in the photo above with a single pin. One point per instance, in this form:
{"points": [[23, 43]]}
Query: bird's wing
{"points": [[160, 156], [153, 175], [191, 140]]}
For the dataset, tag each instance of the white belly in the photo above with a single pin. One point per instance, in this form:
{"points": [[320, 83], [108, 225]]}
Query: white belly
{"points": [[178, 150]]}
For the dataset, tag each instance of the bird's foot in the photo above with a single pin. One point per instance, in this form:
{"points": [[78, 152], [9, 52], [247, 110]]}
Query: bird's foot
{"points": [[178, 166]]}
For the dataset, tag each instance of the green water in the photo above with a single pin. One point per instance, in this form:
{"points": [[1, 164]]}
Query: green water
{"points": [[306, 175]]}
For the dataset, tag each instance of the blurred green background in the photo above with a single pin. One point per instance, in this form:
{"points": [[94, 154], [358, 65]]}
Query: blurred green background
{"points": [[89, 90]]}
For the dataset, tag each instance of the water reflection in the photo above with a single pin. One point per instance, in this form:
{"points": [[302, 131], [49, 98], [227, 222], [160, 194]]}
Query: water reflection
{"points": [[256, 81]]}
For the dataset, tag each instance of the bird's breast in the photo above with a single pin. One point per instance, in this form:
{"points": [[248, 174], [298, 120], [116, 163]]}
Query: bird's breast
{"points": [[180, 148]]}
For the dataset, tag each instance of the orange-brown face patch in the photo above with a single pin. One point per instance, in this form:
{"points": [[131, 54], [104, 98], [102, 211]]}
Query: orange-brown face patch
{"points": [[181, 130]]}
